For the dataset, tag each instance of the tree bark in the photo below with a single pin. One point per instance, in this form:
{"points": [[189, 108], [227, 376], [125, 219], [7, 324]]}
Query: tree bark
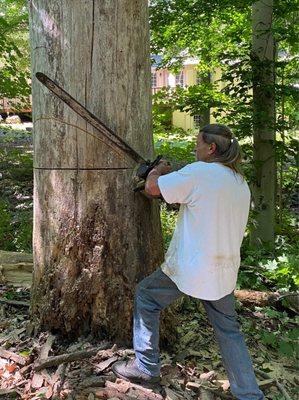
{"points": [[94, 239], [263, 57]]}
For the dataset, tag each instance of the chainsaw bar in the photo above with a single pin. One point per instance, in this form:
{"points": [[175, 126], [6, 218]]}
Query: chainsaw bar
{"points": [[89, 117]]}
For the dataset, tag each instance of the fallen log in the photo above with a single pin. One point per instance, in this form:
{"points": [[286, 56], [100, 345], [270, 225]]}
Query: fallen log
{"points": [[250, 297], [261, 299], [16, 303], [69, 357], [16, 268]]}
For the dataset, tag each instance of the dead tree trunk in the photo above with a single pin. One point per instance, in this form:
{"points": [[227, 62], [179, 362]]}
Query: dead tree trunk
{"points": [[94, 239]]}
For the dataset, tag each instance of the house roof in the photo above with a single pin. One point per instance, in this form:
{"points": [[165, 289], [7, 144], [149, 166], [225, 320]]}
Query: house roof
{"points": [[156, 60]]}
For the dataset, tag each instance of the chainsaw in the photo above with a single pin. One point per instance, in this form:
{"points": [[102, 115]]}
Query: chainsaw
{"points": [[143, 167]]}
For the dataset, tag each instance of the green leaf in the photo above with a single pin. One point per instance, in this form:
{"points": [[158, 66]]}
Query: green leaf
{"points": [[286, 348], [269, 338]]}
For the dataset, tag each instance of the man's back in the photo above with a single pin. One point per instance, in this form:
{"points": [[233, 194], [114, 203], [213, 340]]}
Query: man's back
{"points": [[204, 254]]}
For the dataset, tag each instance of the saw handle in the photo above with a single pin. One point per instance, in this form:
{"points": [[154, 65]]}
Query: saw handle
{"points": [[142, 172], [145, 168]]}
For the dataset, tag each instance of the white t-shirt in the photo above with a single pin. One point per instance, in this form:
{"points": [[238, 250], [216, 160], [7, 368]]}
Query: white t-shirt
{"points": [[203, 257]]}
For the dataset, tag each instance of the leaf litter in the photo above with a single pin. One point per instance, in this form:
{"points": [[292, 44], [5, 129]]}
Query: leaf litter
{"points": [[35, 366]]}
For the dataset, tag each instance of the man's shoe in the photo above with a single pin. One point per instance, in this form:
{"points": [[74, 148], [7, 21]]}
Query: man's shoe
{"points": [[129, 371]]}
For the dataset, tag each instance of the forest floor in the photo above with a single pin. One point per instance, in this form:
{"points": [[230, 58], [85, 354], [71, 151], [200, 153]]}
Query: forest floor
{"points": [[34, 366]]}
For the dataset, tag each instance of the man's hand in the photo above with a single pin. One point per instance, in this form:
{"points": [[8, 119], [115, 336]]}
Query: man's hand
{"points": [[151, 183], [163, 167]]}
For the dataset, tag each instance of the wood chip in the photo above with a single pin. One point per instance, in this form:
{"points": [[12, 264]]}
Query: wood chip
{"points": [[171, 395], [49, 392], [37, 380], [102, 366], [12, 356], [132, 389], [208, 376], [47, 347], [194, 386], [107, 393], [10, 367], [225, 385], [120, 385]]}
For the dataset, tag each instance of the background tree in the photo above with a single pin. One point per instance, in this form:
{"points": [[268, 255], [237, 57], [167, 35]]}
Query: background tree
{"points": [[14, 56], [263, 64], [94, 239]]}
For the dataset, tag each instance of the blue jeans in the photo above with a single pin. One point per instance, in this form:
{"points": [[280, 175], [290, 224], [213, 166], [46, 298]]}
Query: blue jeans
{"points": [[156, 292]]}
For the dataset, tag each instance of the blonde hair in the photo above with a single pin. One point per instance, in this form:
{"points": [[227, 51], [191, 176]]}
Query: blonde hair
{"points": [[228, 151]]}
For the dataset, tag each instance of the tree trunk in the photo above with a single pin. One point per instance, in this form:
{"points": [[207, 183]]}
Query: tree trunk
{"points": [[205, 117], [263, 122], [94, 239]]}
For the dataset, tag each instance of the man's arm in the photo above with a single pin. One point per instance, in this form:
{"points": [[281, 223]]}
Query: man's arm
{"points": [[151, 184]]}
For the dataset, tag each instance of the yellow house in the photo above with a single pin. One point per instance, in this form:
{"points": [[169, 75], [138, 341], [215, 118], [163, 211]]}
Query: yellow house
{"points": [[188, 76]]}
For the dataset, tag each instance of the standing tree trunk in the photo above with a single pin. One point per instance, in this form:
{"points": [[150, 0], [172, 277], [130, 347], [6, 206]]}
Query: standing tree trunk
{"points": [[263, 57], [94, 239], [205, 116]]}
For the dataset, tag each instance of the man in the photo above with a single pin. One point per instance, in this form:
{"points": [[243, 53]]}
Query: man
{"points": [[202, 260]]}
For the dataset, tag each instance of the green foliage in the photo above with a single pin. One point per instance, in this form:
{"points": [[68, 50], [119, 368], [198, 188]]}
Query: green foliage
{"points": [[177, 145], [16, 186], [263, 270], [284, 338], [194, 99], [275, 332], [162, 116], [6, 231], [168, 220], [14, 44]]}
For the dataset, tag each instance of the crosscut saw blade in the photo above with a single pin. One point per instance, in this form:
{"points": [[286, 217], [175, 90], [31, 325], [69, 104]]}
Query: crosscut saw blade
{"points": [[89, 117]]}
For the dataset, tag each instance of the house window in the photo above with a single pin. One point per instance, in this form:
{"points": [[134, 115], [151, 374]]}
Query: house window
{"points": [[179, 79], [197, 121], [154, 80]]}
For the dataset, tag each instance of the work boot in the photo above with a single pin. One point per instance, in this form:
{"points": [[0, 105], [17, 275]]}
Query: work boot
{"points": [[129, 371]]}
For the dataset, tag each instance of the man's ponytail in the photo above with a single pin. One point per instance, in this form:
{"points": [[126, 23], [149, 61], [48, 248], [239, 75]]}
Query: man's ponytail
{"points": [[228, 151]]}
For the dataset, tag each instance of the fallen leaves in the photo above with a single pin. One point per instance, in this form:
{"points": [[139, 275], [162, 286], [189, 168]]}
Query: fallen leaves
{"points": [[44, 367]]}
